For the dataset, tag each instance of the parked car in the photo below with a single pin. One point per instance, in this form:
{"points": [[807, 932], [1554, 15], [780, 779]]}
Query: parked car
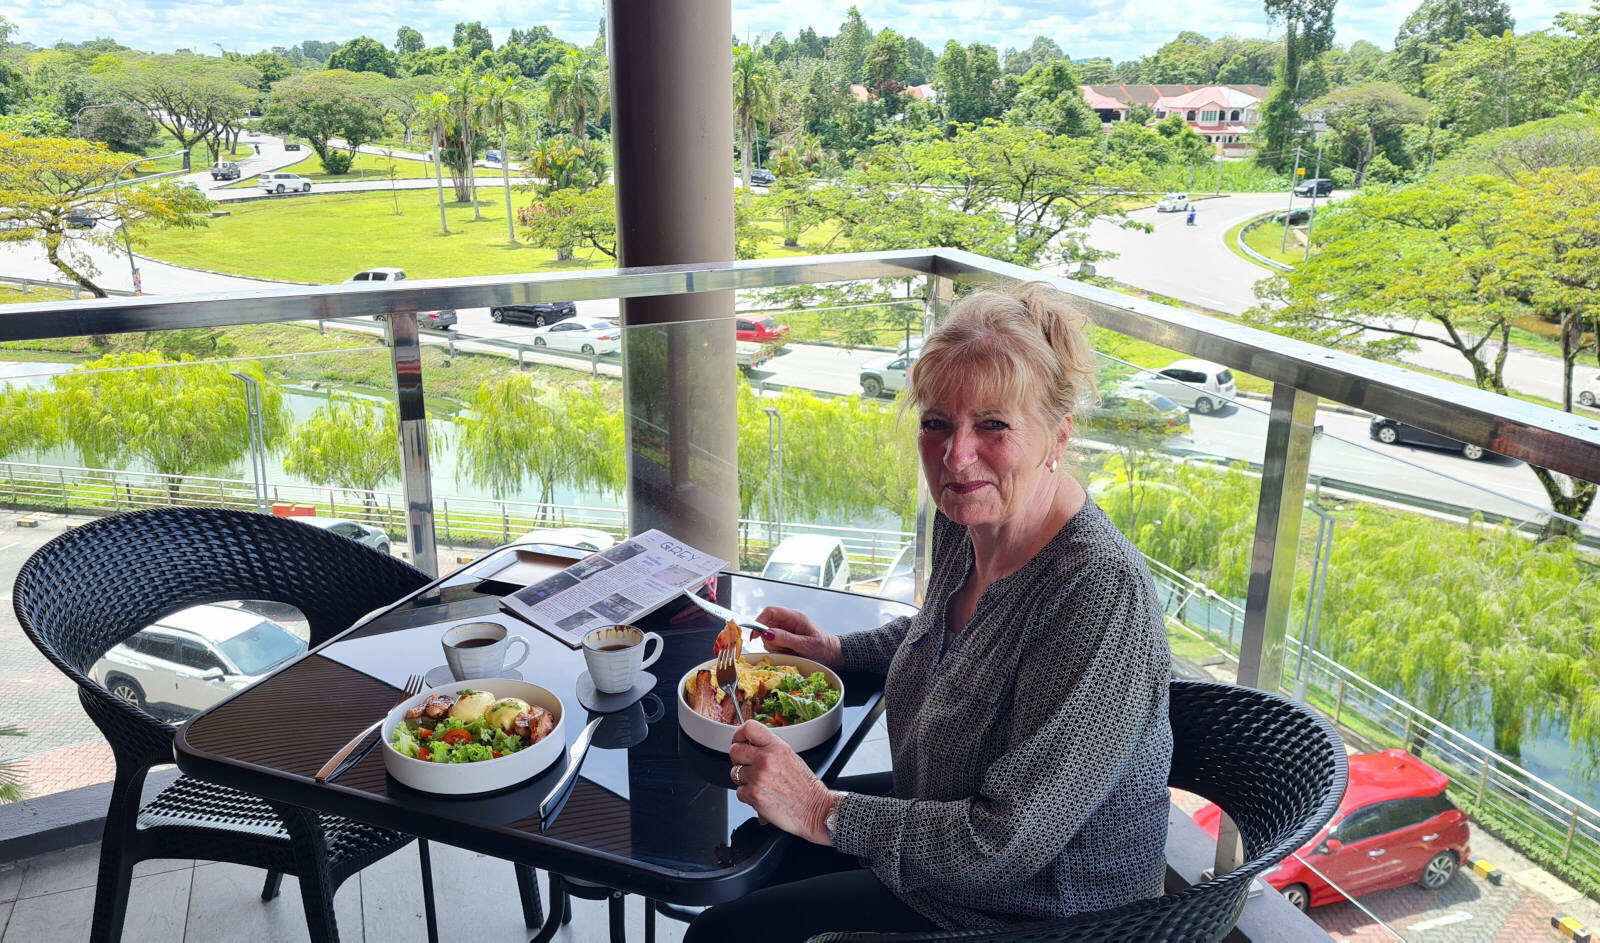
{"points": [[378, 275], [1394, 826], [910, 345], [1316, 186], [1199, 385], [80, 219], [1133, 409], [809, 559], [492, 157], [538, 314], [899, 582], [189, 660], [373, 537], [1590, 394], [290, 144], [584, 335], [763, 329], [1173, 203], [1391, 431], [761, 177], [885, 373], [225, 170], [1294, 217], [281, 182], [579, 538]]}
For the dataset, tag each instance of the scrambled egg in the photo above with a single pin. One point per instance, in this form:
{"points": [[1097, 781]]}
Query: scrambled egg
{"points": [[751, 677]]}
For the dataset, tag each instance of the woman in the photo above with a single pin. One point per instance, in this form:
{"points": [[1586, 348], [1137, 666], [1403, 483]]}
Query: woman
{"points": [[1026, 701]]}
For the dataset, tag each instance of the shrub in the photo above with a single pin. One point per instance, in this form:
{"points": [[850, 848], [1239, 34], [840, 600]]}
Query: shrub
{"points": [[337, 162], [1342, 177]]}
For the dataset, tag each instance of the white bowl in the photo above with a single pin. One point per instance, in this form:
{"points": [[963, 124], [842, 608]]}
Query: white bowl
{"points": [[486, 776], [801, 737]]}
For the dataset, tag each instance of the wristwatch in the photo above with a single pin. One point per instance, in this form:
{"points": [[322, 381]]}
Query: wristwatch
{"points": [[830, 824]]}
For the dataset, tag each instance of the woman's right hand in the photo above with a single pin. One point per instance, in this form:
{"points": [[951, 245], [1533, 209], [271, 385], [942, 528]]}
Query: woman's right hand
{"points": [[792, 632]]}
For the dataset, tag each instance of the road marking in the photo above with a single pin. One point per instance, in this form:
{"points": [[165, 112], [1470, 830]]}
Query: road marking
{"points": [[14, 543], [1443, 920]]}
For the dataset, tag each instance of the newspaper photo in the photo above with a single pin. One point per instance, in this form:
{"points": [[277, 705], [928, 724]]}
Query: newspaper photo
{"points": [[613, 587]]}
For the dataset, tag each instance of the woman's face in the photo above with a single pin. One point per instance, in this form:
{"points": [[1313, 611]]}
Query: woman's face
{"points": [[986, 462]]}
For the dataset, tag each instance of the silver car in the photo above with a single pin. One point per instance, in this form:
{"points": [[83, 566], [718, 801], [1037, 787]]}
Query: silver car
{"points": [[373, 537], [193, 658]]}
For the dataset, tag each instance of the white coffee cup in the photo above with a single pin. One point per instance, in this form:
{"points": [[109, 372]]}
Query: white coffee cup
{"points": [[478, 650], [615, 655]]}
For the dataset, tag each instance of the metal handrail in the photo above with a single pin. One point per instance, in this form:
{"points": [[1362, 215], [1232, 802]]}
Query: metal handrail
{"points": [[1537, 434]]}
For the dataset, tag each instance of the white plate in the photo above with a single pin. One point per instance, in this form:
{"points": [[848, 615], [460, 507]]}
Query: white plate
{"points": [[471, 778], [719, 737]]}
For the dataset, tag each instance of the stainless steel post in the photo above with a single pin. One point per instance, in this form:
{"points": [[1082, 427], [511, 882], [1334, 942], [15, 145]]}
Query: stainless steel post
{"points": [[1272, 557], [672, 119], [416, 477], [937, 297]]}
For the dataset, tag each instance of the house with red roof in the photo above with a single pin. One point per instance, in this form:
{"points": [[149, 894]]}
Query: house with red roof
{"points": [[1224, 115]]}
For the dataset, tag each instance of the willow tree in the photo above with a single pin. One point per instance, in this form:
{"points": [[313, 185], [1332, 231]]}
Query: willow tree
{"points": [[348, 443], [519, 434]]}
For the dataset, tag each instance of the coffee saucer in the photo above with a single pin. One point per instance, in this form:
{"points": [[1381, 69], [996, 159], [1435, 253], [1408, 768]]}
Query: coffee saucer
{"points": [[441, 676], [600, 702]]}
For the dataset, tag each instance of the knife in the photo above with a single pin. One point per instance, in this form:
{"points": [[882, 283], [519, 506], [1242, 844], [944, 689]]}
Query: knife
{"points": [[726, 615], [575, 756]]}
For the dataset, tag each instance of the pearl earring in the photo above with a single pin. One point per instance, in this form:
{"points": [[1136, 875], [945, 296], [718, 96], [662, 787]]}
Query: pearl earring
{"points": [[1053, 463]]}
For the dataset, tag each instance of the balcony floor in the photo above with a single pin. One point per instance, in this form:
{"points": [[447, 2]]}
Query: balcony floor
{"points": [[51, 898]]}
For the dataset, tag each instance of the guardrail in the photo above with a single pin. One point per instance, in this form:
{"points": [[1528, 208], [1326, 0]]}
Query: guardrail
{"points": [[1239, 238], [76, 289]]}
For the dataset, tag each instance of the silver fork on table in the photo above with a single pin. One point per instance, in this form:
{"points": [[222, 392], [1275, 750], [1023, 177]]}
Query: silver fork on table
{"points": [[412, 688]]}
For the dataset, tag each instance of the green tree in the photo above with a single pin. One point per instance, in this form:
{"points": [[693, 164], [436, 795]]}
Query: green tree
{"points": [[1360, 116], [887, 64], [320, 106], [434, 112], [23, 422], [847, 54], [968, 82], [193, 97], [519, 434], [407, 39], [44, 180], [181, 418], [1486, 82], [472, 39], [574, 93], [501, 108], [570, 217], [1435, 25], [121, 128], [466, 97], [363, 54], [753, 102], [348, 443], [1050, 99]]}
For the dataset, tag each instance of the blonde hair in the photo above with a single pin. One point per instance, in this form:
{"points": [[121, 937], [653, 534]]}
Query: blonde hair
{"points": [[1026, 347]]}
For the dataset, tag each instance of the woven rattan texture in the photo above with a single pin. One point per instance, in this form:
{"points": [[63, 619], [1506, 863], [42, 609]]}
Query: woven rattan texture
{"points": [[97, 585], [1275, 767]]}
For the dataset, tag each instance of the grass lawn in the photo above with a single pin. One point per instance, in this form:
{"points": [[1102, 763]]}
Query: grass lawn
{"points": [[1266, 239], [1186, 644], [12, 294], [199, 157], [365, 167]]}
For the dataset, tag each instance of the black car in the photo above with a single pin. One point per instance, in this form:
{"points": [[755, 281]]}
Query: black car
{"points": [[290, 144], [1390, 431], [78, 219], [762, 177], [1318, 186], [538, 314]]}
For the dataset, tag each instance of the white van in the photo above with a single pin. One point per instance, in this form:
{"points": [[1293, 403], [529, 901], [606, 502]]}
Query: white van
{"points": [[810, 559]]}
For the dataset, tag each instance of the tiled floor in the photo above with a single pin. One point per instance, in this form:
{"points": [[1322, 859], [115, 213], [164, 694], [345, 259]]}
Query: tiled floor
{"points": [[51, 898]]}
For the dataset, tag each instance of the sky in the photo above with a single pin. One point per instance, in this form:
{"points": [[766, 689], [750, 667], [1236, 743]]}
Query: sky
{"points": [[1121, 29]]}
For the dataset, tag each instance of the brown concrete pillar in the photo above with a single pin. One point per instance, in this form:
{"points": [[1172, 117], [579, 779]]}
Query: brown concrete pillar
{"points": [[672, 138]]}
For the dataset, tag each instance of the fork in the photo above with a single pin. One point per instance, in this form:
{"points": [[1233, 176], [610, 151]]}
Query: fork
{"points": [[412, 688], [728, 678]]}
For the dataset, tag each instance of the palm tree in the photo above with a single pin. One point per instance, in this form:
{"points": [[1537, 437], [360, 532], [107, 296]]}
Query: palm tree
{"points": [[434, 113], [500, 108], [754, 100], [464, 112], [573, 92]]}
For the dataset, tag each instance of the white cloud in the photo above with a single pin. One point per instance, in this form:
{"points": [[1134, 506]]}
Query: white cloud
{"points": [[1121, 29]]}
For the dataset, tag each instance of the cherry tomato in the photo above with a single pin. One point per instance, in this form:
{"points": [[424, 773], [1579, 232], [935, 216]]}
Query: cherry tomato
{"points": [[424, 733], [495, 754], [458, 735], [425, 755]]}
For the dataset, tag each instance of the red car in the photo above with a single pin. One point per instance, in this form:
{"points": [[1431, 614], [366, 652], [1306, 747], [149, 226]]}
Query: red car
{"points": [[1393, 827], [764, 329]]}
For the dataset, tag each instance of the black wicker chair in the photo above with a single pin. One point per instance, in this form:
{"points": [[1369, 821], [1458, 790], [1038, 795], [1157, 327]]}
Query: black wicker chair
{"points": [[1275, 767], [97, 585]]}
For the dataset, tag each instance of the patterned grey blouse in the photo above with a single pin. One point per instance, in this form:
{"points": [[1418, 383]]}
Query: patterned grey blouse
{"points": [[1031, 759]]}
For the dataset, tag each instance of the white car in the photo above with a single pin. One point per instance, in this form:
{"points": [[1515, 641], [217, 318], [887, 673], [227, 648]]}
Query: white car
{"points": [[1590, 394], [373, 537], [378, 275], [1173, 203], [885, 373], [809, 559], [193, 658], [582, 335], [1199, 385], [578, 538], [283, 182]]}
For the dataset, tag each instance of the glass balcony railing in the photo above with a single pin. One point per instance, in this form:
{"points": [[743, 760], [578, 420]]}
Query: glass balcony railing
{"points": [[1391, 585]]}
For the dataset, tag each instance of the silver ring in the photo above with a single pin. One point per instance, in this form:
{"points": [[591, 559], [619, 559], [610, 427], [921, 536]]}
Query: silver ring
{"points": [[737, 773]]}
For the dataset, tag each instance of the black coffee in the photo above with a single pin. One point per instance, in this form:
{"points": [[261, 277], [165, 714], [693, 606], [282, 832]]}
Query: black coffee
{"points": [[475, 642]]}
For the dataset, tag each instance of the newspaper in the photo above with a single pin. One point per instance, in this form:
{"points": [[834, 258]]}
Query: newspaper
{"points": [[613, 587]]}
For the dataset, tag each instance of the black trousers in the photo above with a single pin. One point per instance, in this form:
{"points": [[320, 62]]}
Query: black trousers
{"points": [[823, 891]]}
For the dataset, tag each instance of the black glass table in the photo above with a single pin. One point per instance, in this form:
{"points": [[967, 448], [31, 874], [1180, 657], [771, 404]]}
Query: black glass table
{"points": [[652, 813]]}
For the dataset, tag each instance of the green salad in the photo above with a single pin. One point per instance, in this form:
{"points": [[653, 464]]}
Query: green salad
{"points": [[797, 699], [469, 727]]}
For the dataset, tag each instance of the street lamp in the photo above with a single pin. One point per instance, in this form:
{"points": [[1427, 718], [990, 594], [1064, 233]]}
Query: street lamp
{"points": [[77, 120], [133, 270]]}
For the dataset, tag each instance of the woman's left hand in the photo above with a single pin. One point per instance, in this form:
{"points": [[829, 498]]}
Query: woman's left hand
{"points": [[778, 784]]}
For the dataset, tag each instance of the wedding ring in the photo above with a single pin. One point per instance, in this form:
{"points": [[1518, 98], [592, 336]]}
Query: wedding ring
{"points": [[737, 772]]}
